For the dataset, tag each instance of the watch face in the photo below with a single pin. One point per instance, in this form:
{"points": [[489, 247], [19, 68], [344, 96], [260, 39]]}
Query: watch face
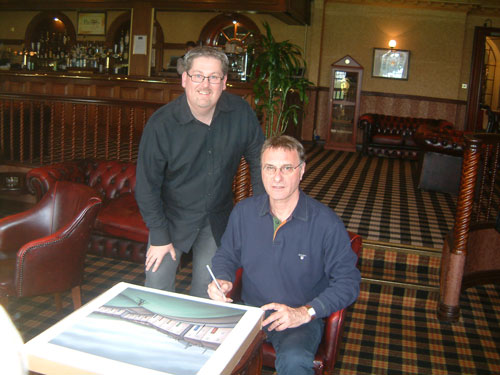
{"points": [[311, 312]]}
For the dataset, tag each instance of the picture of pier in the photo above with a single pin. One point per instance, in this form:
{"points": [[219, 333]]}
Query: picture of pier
{"points": [[156, 331]]}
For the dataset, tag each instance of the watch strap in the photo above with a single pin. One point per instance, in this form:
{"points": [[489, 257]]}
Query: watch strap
{"points": [[311, 311]]}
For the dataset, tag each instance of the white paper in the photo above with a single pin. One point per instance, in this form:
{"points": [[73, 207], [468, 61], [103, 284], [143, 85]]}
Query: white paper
{"points": [[140, 44]]}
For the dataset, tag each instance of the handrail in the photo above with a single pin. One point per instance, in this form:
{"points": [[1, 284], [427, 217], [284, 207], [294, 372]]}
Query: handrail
{"points": [[79, 99]]}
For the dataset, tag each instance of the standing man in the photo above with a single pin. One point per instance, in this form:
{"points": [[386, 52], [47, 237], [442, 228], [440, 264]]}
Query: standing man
{"points": [[297, 260], [188, 155]]}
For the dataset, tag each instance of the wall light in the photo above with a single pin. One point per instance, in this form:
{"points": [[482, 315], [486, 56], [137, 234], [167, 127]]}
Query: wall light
{"points": [[392, 43]]}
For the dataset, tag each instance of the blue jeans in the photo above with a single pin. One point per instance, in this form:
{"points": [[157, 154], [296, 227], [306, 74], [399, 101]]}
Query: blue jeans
{"points": [[296, 347], [203, 249]]}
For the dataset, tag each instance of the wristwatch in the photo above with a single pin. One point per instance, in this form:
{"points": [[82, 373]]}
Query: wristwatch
{"points": [[311, 311]]}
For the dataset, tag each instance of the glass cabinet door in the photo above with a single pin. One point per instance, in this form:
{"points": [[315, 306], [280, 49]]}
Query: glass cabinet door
{"points": [[343, 106], [345, 89]]}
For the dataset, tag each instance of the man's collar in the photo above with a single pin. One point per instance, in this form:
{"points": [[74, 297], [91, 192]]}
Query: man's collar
{"points": [[300, 211], [184, 114]]}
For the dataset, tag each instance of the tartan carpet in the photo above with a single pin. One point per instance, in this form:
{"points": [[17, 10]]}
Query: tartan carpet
{"points": [[378, 198], [388, 330], [392, 330]]}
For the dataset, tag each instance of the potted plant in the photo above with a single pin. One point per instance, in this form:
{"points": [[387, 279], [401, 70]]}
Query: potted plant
{"points": [[277, 70]]}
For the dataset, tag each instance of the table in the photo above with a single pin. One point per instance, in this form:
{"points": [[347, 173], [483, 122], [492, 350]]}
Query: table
{"points": [[131, 329]]}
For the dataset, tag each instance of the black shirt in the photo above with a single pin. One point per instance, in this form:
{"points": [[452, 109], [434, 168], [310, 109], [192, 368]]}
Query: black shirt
{"points": [[185, 168]]}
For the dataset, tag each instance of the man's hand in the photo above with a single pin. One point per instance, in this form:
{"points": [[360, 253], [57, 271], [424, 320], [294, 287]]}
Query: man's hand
{"points": [[285, 317], [214, 292], [155, 255]]}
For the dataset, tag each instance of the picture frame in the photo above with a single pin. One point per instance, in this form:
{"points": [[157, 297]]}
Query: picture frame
{"points": [[390, 63], [91, 23], [131, 329]]}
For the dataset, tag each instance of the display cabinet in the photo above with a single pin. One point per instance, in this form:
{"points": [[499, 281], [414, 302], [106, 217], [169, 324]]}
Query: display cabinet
{"points": [[344, 100]]}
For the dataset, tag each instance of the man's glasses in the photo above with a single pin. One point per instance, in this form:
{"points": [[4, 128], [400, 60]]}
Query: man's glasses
{"points": [[285, 170], [199, 78]]}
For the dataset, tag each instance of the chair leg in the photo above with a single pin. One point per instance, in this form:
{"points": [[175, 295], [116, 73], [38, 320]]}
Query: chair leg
{"points": [[76, 294], [58, 301]]}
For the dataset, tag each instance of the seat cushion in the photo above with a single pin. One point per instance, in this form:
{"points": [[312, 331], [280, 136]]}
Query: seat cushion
{"points": [[120, 217], [387, 139]]}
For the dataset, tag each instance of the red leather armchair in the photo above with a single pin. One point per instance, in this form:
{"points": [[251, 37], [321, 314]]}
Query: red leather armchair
{"points": [[42, 250], [328, 349]]}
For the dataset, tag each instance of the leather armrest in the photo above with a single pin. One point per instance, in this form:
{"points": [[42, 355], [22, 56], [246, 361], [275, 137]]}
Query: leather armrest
{"points": [[48, 255], [19, 229], [235, 293], [39, 180]]}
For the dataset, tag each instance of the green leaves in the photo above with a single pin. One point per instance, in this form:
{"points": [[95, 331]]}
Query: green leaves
{"points": [[276, 69]]}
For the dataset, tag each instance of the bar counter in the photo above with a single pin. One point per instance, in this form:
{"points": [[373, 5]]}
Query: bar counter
{"points": [[85, 84]]}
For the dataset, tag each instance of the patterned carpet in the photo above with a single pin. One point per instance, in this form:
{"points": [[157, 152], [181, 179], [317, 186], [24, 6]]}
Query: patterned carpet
{"points": [[389, 329], [392, 328], [378, 197]]}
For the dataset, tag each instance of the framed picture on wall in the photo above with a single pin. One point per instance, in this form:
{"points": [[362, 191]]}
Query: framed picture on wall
{"points": [[390, 63], [91, 23]]}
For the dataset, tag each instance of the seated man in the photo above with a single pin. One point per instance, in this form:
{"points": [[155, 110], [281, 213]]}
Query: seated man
{"points": [[296, 255]]}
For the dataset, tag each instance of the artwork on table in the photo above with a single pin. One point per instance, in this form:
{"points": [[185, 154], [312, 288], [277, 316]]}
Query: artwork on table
{"points": [[134, 329], [390, 63]]}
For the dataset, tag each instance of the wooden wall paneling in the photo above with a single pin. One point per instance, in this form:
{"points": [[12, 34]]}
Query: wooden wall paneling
{"points": [[307, 131], [19, 87], [174, 93], [154, 94], [105, 91], [38, 88], [60, 89], [129, 92], [321, 125], [81, 90]]}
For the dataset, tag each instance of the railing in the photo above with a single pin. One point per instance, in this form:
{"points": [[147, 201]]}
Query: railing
{"points": [[37, 130]]}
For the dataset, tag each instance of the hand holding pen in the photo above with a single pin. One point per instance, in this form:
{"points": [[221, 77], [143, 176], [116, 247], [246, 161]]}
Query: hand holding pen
{"points": [[220, 295]]}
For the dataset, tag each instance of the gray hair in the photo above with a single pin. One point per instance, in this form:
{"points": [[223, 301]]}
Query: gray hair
{"points": [[204, 51], [285, 142]]}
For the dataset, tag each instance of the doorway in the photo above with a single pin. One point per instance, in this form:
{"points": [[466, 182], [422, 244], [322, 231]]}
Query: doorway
{"points": [[484, 84]]}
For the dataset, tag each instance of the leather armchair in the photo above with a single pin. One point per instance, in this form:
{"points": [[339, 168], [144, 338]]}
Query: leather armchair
{"points": [[328, 349], [43, 250]]}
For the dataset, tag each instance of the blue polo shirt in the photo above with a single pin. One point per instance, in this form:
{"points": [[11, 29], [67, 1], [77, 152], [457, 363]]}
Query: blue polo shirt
{"points": [[310, 261]]}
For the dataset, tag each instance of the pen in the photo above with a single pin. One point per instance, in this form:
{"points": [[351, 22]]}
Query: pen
{"points": [[215, 280]]}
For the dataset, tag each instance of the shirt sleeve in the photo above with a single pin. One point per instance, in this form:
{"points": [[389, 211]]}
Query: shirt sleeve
{"points": [[151, 165], [340, 267], [227, 258]]}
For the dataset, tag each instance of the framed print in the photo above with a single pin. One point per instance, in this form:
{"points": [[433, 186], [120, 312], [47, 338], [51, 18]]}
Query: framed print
{"points": [[390, 63], [91, 23], [131, 329]]}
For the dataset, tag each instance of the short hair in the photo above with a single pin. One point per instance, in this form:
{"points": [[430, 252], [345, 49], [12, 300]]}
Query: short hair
{"points": [[205, 51], [285, 142]]}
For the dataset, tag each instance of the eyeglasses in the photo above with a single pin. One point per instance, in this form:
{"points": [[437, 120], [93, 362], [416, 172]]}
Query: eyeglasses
{"points": [[199, 78], [285, 170]]}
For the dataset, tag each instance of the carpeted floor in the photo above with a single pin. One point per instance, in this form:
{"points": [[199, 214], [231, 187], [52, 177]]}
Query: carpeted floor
{"points": [[379, 197], [392, 328], [389, 329]]}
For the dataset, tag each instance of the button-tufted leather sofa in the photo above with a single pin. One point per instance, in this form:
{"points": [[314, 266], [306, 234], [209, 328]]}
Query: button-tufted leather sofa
{"points": [[394, 136], [119, 230], [430, 137]]}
